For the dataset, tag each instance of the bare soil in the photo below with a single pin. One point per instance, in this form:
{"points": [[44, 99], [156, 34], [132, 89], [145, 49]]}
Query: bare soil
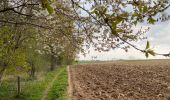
{"points": [[121, 80]]}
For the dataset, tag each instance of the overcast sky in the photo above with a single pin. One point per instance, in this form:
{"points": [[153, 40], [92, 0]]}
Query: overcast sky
{"points": [[159, 37]]}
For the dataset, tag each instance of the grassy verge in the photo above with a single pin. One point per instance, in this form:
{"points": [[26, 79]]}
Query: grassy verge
{"points": [[59, 88], [30, 89], [84, 62]]}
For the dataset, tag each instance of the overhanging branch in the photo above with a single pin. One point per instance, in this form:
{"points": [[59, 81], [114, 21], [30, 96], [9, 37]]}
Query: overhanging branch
{"points": [[117, 35], [12, 8]]}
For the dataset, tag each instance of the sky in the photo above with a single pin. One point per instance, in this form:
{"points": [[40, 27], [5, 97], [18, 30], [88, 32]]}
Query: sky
{"points": [[159, 37]]}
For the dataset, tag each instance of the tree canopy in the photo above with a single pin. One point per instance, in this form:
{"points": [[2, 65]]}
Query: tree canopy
{"points": [[113, 21]]}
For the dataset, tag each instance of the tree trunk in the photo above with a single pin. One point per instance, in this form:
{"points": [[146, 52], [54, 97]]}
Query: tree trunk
{"points": [[2, 73], [52, 63], [3, 65], [32, 73], [59, 61]]}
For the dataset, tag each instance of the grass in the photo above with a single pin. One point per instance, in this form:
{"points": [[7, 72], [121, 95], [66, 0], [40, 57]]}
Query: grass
{"points": [[59, 88], [90, 61], [33, 89]]}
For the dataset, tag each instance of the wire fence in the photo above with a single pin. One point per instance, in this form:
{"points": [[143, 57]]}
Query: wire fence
{"points": [[15, 87]]}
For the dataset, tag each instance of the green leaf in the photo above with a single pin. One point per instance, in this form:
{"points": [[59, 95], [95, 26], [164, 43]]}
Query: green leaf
{"points": [[114, 26], [113, 14], [146, 54], [119, 30], [44, 3], [114, 32], [147, 45], [119, 19], [129, 36], [151, 52], [125, 14], [135, 15], [145, 9], [94, 12], [49, 9], [151, 20]]}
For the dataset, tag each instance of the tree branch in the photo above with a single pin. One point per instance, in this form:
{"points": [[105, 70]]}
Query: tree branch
{"points": [[9, 9], [117, 35], [25, 23], [135, 47], [21, 13]]}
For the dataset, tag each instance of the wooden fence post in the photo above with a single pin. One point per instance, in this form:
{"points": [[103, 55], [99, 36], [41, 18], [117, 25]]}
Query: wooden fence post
{"points": [[18, 85]]}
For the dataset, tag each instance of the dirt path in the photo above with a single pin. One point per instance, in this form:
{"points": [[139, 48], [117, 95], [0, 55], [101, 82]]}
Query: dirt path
{"points": [[70, 89], [45, 94]]}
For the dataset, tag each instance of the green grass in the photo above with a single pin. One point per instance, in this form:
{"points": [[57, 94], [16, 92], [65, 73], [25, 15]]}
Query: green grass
{"points": [[59, 88], [33, 89], [85, 62], [7, 90]]}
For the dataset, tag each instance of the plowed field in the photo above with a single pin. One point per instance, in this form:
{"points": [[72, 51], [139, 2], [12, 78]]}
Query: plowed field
{"points": [[121, 80]]}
